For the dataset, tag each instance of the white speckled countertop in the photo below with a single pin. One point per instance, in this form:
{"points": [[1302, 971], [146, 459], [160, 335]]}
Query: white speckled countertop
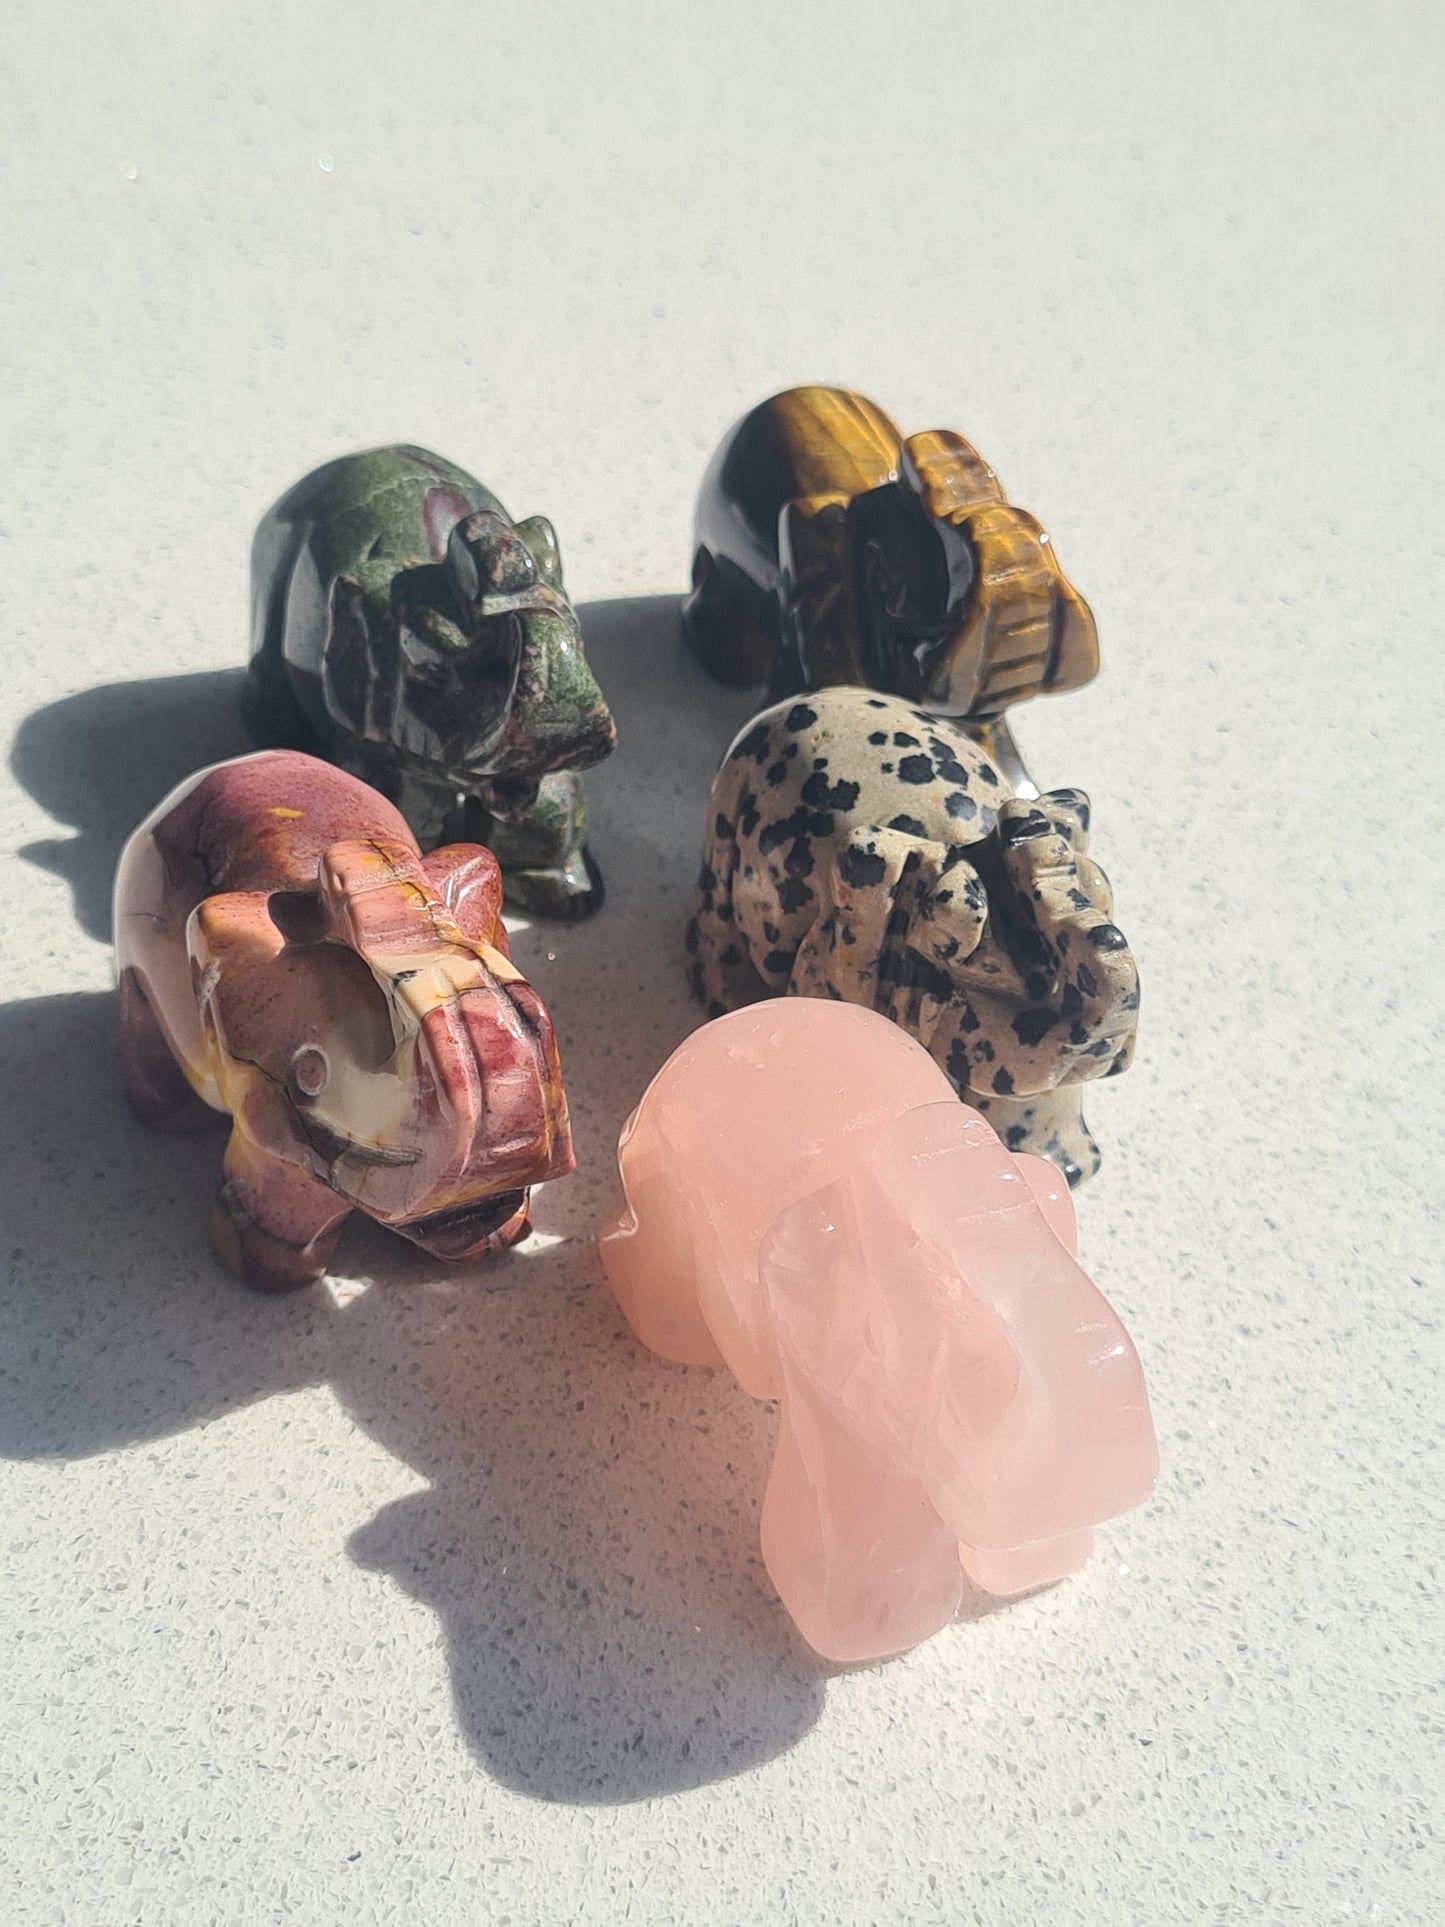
{"points": [[430, 1597]]}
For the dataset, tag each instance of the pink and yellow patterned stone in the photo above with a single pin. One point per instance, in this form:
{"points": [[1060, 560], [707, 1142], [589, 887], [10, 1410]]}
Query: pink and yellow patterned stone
{"points": [[809, 1203], [287, 955]]}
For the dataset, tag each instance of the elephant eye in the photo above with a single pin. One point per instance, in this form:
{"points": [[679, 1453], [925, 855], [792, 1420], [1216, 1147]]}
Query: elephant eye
{"points": [[309, 1072]]}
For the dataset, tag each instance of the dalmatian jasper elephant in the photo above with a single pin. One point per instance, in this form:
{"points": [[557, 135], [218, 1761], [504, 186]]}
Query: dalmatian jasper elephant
{"points": [[864, 850]]}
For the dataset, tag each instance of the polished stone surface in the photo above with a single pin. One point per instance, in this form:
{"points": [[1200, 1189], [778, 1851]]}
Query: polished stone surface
{"points": [[829, 547], [809, 1204], [288, 958], [406, 628], [858, 848], [421, 1596]]}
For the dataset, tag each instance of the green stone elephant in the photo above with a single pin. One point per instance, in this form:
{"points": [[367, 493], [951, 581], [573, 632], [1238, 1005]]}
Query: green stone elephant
{"points": [[407, 629]]}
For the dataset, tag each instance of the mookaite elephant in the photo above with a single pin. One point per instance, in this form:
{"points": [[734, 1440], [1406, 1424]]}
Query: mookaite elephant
{"points": [[287, 955]]}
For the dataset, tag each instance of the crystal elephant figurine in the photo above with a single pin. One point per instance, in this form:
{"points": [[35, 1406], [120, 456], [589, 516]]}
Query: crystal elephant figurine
{"points": [[286, 955], [809, 1204], [406, 628], [831, 548], [863, 850]]}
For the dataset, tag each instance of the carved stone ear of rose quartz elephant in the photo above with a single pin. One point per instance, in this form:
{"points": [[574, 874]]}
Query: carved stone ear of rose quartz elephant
{"points": [[287, 955], [810, 1204]]}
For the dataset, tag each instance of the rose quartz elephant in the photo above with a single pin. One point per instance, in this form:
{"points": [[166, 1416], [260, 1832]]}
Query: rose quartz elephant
{"points": [[286, 955], [809, 1203]]}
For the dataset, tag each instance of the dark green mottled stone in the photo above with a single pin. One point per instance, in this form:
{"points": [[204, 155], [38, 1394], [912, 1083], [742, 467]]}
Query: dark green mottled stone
{"points": [[405, 627]]}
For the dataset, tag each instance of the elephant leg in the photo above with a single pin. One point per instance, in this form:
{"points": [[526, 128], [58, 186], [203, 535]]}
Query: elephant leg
{"points": [[720, 968], [1022, 1568], [273, 1224], [428, 807], [1050, 1124], [566, 892], [651, 1264], [547, 870], [724, 623], [269, 708], [859, 1556], [155, 1085]]}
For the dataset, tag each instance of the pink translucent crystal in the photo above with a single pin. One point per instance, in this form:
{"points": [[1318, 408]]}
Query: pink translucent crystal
{"points": [[809, 1203]]}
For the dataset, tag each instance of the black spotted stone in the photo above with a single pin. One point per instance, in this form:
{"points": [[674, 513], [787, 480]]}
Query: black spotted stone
{"points": [[861, 869], [1032, 1026]]}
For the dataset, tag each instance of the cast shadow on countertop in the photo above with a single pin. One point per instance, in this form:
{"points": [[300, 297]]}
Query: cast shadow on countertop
{"points": [[588, 1535], [101, 759]]}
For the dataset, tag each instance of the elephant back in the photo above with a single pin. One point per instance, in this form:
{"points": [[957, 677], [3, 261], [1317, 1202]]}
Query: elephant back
{"points": [[805, 443], [366, 516]]}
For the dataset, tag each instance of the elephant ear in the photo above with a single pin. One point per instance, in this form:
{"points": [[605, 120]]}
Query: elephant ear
{"points": [[230, 934], [819, 634], [1035, 1419], [870, 1307], [876, 885], [827, 1311], [854, 1545], [907, 602], [1020, 627], [233, 942], [468, 879], [540, 539], [488, 563], [360, 662], [947, 474], [379, 901]]}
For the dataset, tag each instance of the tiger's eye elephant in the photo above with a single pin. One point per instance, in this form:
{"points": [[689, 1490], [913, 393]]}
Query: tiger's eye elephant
{"points": [[831, 548]]}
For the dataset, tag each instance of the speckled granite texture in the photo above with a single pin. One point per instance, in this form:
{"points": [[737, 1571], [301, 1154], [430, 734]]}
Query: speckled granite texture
{"points": [[432, 1598]]}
